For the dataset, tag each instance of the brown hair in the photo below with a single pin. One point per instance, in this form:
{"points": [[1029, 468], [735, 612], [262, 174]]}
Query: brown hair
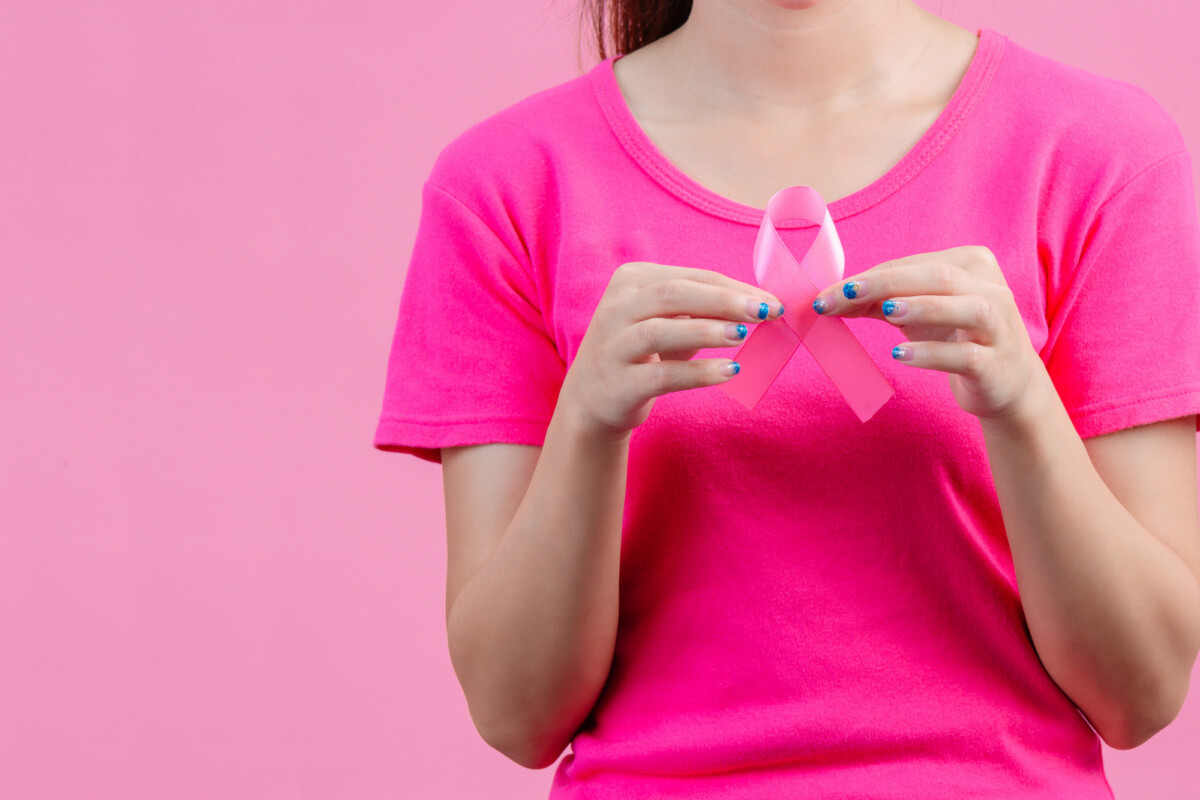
{"points": [[633, 23]]}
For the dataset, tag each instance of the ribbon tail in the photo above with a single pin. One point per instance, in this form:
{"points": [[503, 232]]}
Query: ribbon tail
{"points": [[762, 357], [839, 353]]}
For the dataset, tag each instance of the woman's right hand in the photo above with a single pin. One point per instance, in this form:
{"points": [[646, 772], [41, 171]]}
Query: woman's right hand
{"points": [[651, 321]]}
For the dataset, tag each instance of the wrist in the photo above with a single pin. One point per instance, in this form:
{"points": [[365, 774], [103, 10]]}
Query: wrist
{"points": [[572, 416], [1037, 404]]}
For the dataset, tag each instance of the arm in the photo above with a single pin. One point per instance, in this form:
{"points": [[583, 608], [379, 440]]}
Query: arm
{"points": [[1112, 600], [532, 631]]}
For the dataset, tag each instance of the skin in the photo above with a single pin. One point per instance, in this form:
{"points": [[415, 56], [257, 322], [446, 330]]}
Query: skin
{"points": [[748, 97], [1104, 531], [532, 608]]}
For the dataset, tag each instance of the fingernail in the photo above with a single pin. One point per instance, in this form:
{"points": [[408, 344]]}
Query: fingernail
{"points": [[902, 353], [731, 369], [854, 289], [822, 304], [735, 331], [781, 309], [894, 308], [757, 308]]}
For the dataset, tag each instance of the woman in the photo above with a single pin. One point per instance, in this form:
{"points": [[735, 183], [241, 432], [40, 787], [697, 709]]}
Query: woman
{"points": [[709, 601]]}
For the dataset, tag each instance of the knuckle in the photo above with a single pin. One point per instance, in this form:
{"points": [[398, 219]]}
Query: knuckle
{"points": [[623, 274], [631, 274], [661, 377], [717, 336], [973, 358], [985, 313], [649, 334], [667, 293], [982, 256], [945, 278], [712, 372], [735, 304]]}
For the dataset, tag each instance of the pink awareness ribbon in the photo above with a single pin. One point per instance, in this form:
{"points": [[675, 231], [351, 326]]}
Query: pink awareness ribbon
{"points": [[836, 350]]}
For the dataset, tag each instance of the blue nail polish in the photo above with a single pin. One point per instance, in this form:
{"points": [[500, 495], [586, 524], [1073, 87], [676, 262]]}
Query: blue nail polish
{"points": [[850, 290], [763, 310], [736, 367], [741, 331], [781, 309], [820, 306], [888, 307]]}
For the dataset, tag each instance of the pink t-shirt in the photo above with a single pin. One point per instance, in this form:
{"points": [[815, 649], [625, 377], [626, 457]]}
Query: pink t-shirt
{"points": [[811, 606]]}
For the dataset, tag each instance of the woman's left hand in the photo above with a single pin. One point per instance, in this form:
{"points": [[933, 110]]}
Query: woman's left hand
{"points": [[959, 315]]}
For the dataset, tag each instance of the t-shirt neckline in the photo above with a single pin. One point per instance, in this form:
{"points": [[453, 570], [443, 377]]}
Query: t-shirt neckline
{"points": [[643, 150]]}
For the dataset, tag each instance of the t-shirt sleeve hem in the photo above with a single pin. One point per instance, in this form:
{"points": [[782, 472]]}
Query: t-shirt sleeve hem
{"points": [[1107, 416], [424, 438]]}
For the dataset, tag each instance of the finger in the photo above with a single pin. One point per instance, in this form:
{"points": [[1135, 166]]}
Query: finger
{"points": [[974, 314], [658, 335], [676, 296], [969, 359], [660, 377], [679, 355], [923, 277]]}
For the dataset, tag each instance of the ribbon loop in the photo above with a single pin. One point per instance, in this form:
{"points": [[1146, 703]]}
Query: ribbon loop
{"points": [[832, 344]]}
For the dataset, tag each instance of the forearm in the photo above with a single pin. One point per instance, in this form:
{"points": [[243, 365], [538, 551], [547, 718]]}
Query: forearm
{"points": [[1113, 613], [532, 633]]}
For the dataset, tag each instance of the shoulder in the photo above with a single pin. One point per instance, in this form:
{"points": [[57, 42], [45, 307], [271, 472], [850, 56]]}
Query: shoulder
{"points": [[1087, 129], [508, 159]]}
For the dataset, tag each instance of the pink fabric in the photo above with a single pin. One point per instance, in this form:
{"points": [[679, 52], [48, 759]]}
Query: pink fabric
{"points": [[812, 606]]}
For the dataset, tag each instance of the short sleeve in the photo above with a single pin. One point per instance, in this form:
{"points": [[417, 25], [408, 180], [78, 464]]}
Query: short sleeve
{"points": [[1124, 347], [471, 360]]}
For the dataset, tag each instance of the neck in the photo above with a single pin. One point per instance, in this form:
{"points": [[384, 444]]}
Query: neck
{"points": [[753, 58]]}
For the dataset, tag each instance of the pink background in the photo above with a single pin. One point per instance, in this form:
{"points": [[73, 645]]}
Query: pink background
{"points": [[210, 584]]}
